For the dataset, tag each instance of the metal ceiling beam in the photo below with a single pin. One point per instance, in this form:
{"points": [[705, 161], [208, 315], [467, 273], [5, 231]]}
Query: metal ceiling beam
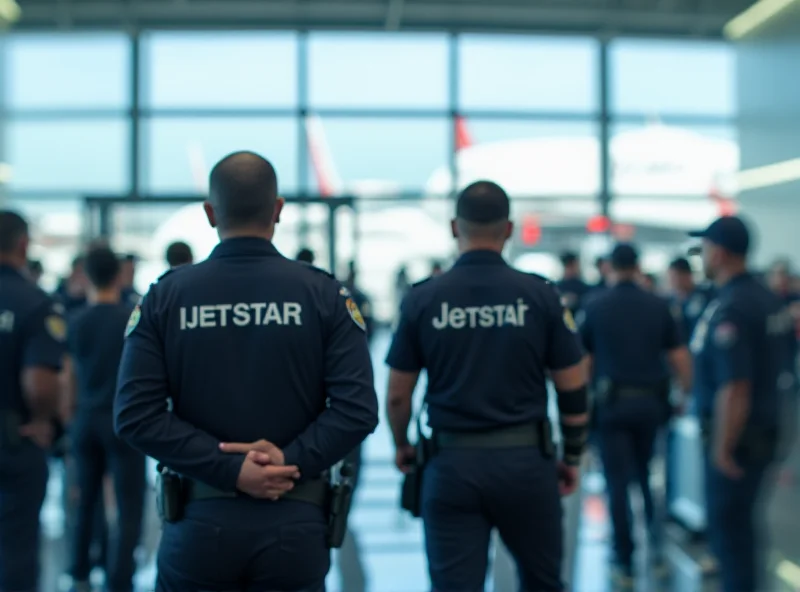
{"points": [[317, 13]]}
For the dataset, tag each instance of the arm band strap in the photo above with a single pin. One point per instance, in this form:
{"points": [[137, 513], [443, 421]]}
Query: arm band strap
{"points": [[574, 438], [574, 402]]}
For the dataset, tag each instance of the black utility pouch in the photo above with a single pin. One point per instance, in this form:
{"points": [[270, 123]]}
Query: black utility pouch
{"points": [[169, 496]]}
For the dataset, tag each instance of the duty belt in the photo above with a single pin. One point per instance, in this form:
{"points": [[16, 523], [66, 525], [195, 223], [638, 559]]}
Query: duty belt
{"points": [[313, 491], [518, 436], [634, 391]]}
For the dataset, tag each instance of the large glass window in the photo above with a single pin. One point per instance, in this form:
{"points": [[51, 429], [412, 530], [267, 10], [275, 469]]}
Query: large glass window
{"points": [[62, 72], [528, 73], [178, 152], [375, 156], [378, 71], [84, 155], [219, 70], [672, 77]]}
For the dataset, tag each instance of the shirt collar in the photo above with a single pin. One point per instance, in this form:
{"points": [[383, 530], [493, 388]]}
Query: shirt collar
{"points": [[482, 257], [244, 246]]}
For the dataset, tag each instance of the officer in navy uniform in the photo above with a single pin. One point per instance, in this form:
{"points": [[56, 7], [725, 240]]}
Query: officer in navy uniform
{"points": [[742, 345], [573, 289], [689, 300], [32, 347], [488, 335], [179, 253], [95, 340], [627, 331], [249, 375]]}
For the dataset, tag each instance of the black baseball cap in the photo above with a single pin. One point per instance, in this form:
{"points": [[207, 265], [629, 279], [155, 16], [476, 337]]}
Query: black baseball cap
{"points": [[483, 202], [728, 232], [624, 256]]}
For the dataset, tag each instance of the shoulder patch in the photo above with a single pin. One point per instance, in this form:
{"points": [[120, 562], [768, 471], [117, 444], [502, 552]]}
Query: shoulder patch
{"points": [[569, 321], [56, 327], [133, 320], [355, 314], [725, 335]]}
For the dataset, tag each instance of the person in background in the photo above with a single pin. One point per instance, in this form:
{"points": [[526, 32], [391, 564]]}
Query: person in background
{"points": [[71, 291], [306, 255], [572, 288], [688, 299], [127, 276], [35, 270], [648, 282], [436, 269], [95, 341], [179, 253]]}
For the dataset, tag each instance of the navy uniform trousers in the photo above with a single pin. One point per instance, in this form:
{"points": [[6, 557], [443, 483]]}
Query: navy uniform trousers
{"points": [[468, 492], [97, 451], [23, 485], [731, 506], [628, 428], [244, 545]]}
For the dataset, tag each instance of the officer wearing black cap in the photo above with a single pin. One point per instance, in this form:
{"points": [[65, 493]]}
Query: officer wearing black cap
{"points": [[627, 331], [742, 346], [689, 299], [32, 346], [488, 335], [95, 342], [249, 376]]}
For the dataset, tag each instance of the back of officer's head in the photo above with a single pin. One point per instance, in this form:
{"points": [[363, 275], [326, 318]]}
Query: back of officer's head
{"points": [[179, 253], [482, 216], [13, 237], [306, 256], [243, 195], [624, 261], [570, 261], [102, 267]]}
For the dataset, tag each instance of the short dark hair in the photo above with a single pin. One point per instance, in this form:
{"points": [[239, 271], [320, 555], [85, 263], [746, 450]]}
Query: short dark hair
{"points": [[102, 266], [568, 258], [13, 228], [243, 190], [680, 264], [306, 255], [35, 266], [624, 257], [599, 261], [179, 253]]}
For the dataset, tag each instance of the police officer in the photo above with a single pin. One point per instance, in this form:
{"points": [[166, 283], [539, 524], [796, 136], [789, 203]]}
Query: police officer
{"points": [[248, 346], [487, 335], [741, 345], [95, 343], [627, 331], [179, 253], [573, 289], [32, 336], [127, 276], [689, 300]]}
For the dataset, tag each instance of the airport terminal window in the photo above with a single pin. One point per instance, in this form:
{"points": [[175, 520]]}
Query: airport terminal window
{"points": [[528, 73], [657, 78], [348, 70], [378, 156], [177, 152], [77, 154], [531, 158], [219, 70], [69, 71]]}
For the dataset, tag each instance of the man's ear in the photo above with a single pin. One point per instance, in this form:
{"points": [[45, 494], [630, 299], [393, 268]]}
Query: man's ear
{"points": [[209, 210], [509, 230], [454, 228], [276, 214]]}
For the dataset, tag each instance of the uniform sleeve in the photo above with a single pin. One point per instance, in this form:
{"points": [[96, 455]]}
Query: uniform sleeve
{"points": [[141, 415], [673, 334], [563, 347], [352, 411], [44, 338], [405, 353], [732, 352]]}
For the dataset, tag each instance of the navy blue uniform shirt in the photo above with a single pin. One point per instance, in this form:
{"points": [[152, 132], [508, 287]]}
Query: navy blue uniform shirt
{"points": [[486, 334], [745, 334], [628, 330], [32, 334], [573, 291], [95, 339], [689, 310], [248, 345]]}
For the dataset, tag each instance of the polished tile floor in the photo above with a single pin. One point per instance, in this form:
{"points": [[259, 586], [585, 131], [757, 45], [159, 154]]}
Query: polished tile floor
{"points": [[386, 552]]}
